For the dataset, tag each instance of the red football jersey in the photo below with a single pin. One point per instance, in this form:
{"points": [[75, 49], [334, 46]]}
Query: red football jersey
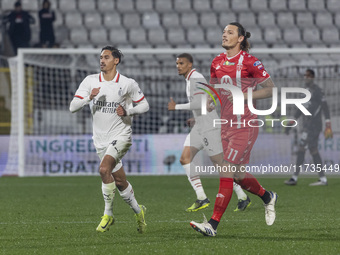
{"points": [[242, 70]]}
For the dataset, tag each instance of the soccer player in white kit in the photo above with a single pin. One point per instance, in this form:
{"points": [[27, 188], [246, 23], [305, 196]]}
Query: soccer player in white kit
{"points": [[110, 96], [203, 136]]}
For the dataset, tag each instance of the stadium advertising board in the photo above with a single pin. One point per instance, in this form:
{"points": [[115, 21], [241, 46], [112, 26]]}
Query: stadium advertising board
{"points": [[154, 155]]}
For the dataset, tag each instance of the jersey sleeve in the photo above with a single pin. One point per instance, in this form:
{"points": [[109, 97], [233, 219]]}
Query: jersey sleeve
{"points": [[257, 70], [84, 89], [213, 76], [135, 93], [196, 85]]}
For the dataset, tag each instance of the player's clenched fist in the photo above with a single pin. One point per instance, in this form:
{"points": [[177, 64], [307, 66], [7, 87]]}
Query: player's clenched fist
{"points": [[94, 92], [120, 111], [171, 105], [210, 104], [191, 122]]}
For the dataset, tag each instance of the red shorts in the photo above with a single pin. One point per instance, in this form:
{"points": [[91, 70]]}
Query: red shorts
{"points": [[237, 144]]}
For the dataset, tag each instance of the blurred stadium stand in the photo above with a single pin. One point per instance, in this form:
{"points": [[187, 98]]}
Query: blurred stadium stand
{"points": [[271, 22]]}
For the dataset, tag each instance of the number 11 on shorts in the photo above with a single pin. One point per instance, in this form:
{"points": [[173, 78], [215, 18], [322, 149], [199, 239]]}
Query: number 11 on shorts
{"points": [[231, 153]]}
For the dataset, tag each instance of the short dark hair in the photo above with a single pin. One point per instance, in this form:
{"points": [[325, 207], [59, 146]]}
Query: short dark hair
{"points": [[114, 51], [187, 56], [311, 72], [245, 45], [17, 4]]}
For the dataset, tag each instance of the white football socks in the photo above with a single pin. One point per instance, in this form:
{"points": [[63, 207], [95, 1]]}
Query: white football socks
{"points": [[129, 197], [195, 181], [239, 192], [323, 179], [108, 191]]}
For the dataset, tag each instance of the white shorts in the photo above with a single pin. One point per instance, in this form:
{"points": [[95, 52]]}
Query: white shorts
{"points": [[209, 141], [117, 149]]}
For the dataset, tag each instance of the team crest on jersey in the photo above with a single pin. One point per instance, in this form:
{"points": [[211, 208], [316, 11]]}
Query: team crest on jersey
{"points": [[227, 63], [120, 92], [257, 63], [239, 67]]}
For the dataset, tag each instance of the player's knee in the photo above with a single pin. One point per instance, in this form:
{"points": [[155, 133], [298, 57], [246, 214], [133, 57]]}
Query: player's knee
{"points": [[184, 160], [104, 170]]}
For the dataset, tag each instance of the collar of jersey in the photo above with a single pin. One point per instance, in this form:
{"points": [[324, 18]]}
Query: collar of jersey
{"points": [[192, 70], [233, 56], [115, 79]]}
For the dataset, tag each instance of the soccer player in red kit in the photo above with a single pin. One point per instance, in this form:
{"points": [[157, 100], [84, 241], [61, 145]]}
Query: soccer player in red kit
{"points": [[238, 68]]}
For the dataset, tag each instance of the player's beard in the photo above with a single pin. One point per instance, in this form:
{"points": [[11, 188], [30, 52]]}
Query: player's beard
{"points": [[228, 47]]}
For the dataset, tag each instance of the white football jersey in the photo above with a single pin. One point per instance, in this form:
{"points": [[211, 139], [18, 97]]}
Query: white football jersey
{"points": [[107, 125], [194, 90]]}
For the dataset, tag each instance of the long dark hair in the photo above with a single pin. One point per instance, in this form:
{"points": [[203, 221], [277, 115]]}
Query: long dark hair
{"points": [[245, 45]]}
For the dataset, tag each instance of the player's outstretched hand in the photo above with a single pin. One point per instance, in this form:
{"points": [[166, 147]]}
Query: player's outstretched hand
{"points": [[94, 92], [120, 111], [191, 122], [171, 105]]}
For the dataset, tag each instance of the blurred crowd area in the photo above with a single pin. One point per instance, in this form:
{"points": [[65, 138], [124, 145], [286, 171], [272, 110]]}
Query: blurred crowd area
{"points": [[177, 23]]}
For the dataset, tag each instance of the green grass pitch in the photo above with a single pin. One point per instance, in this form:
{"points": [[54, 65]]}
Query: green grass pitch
{"points": [[59, 215]]}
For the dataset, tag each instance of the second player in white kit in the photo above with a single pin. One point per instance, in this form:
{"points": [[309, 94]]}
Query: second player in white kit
{"points": [[203, 135]]}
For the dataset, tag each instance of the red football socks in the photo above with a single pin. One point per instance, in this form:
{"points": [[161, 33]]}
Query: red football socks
{"points": [[223, 197], [251, 184]]}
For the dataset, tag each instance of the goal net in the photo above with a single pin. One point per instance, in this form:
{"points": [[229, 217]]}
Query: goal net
{"points": [[46, 139]]}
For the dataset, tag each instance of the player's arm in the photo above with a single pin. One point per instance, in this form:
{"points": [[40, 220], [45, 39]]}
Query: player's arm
{"points": [[81, 99], [172, 106], [195, 102], [193, 105], [137, 96], [265, 92], [141, 107], [257, 71]]}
